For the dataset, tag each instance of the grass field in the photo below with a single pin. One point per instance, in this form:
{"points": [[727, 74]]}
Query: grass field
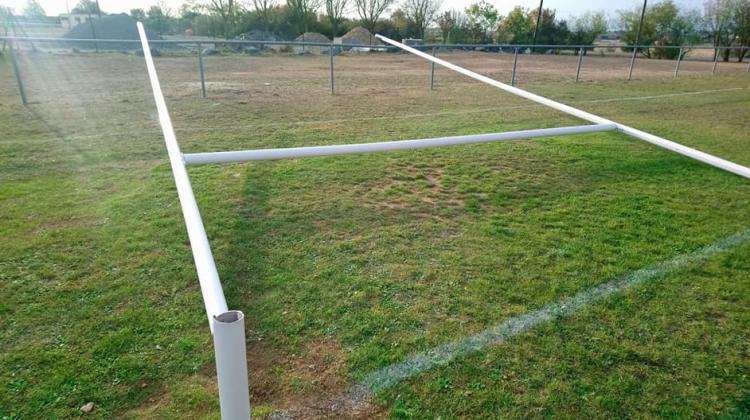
{"points": [[344, 266]]}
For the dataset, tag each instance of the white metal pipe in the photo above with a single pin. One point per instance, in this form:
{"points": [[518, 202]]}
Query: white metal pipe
{"points": [[716, 61], [231, 365], [578, 67], [345, 149], [679, 60], [658, 141], [17, 72], [203, 74], [213, 295]]}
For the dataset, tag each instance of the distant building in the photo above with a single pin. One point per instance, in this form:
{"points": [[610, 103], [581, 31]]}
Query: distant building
{"points": [[70, 21], [412, 41]]}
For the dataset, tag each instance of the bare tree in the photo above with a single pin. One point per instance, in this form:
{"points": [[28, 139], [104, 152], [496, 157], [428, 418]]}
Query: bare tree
{"points": [[264, 9], [369, 11], [447, 21], [718, 18], [335, 10], [302, 11], [741, 24], [421, 13], [228, 11]]}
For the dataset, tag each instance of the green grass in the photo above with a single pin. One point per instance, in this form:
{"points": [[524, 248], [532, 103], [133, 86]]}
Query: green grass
{"points": [[373, 257]]}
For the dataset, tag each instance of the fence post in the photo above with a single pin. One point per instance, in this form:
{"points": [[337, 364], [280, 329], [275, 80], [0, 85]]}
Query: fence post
{"points": [[632, 63], [93, 33], [515, 62], [578, 68], [231, 365], [677, 67], [716, 61], [333, 82], [17, 72], [200, 64], [432, 72]]}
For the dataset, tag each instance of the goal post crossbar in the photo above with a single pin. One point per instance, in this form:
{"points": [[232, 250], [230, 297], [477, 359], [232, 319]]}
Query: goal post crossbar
{"points": [[345, 149], [641, 135]]}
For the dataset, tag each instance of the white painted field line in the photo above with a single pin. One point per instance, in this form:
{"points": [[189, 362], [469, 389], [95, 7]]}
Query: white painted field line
{"points": [[360, 393], [666, 95]]}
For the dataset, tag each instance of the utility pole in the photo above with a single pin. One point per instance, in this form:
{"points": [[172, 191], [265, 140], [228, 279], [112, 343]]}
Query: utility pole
{"points": [[538, 20], [93, 33], [98, 9], [637, 40]]}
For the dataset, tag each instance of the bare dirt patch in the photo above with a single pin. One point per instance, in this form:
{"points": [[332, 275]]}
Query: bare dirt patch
{"points": [[305, 385], [419, 191]]}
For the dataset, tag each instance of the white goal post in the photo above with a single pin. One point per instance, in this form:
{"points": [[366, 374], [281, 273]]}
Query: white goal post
{"points": [[228, 327]]}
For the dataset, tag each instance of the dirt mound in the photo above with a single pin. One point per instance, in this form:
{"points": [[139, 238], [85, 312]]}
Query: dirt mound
{"points": [[312, 37], [259, 35], [119, 26], [360, 36]]}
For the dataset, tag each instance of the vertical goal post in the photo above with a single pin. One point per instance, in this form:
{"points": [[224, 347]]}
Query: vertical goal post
{"points": [[227, 326]]}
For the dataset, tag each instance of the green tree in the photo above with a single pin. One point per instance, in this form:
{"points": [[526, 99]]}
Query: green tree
{"points": [[34, 10], [664, 25], [158, 18], [138, 14], [517, 27], [587, 27], [448, 22], [718, 22], [741, 26], [481, 21], [403, 27], [551, 30]]}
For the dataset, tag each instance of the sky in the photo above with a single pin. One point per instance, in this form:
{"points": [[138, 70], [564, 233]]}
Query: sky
{"points": [[564, 8]]}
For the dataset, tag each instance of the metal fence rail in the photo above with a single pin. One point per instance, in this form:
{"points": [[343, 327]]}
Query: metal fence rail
{"points": [[510, 47], [334, 49]]}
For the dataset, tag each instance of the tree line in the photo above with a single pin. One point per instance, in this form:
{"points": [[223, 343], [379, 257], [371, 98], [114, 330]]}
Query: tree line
{"points": [[722, 23]]}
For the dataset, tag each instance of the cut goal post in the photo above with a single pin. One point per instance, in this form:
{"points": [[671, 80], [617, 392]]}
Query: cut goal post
{"points": [[227, 326]]}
